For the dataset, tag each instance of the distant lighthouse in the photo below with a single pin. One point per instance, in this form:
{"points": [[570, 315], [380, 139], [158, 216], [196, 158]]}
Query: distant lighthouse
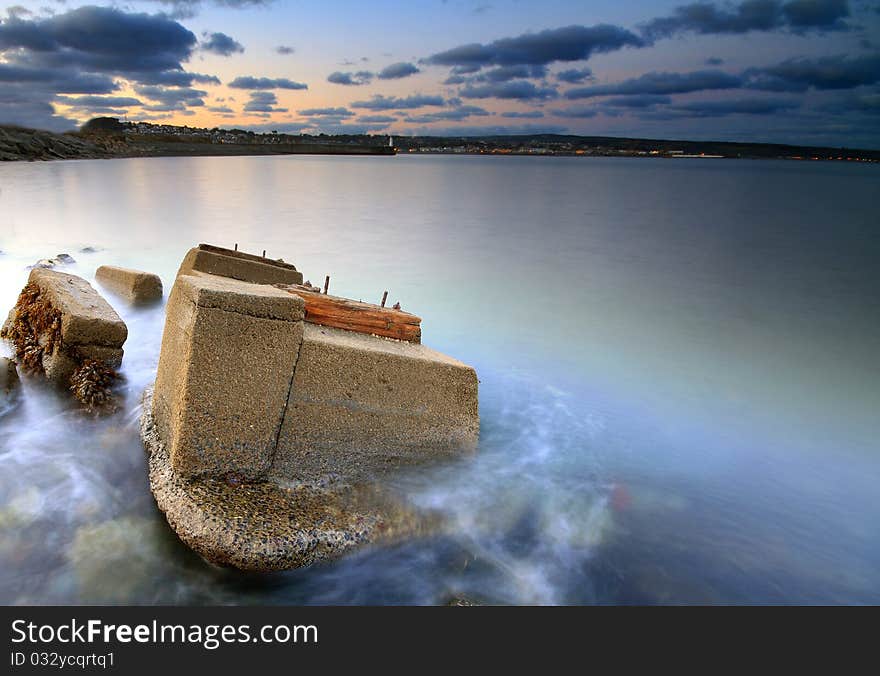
{"points": [[390, 141]]}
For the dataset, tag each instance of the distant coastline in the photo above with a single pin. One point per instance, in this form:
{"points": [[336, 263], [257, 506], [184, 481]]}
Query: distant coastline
{"points": [[108, 138]]}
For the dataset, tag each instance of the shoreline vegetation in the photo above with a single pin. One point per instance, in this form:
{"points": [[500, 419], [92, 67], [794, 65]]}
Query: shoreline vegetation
{"points": [[108, 138]]}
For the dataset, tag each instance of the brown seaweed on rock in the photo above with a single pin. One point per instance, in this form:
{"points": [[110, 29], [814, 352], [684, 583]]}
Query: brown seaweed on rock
{"points": [[35, 328], [92, 384]]}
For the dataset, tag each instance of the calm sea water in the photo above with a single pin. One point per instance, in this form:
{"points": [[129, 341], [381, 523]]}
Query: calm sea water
{"points": [[680, 389]]}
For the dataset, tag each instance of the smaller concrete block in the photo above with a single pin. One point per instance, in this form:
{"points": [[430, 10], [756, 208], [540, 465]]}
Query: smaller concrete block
{"points": [[86, 318], [238, 265], [134, 285]]}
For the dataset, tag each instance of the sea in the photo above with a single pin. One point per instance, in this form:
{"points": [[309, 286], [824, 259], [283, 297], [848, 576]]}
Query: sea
{"points": [[678, 364]]}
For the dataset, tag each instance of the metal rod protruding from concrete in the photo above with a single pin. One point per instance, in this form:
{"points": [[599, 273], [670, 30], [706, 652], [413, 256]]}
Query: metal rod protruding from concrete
{"points": [[326, 283], [384, 298]]}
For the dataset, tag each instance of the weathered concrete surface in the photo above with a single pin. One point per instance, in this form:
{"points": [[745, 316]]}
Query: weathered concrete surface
{"points": [[82, 324], [361, 406], [238, 265], [228, 354], [268, 526], [136, 286], [266, 432]]}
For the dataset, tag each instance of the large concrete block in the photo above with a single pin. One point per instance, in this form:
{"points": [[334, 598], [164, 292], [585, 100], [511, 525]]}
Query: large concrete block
{"points": [[228, 355], [69, 321], [134, 285], [361, 406], [238, 265]]}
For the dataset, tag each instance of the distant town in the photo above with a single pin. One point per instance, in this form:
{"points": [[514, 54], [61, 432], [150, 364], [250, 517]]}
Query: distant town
{"points": [[534, 144], [108, 137]]}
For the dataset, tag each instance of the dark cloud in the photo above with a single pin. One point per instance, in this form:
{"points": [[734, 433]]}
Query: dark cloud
{"points": [[361, 77], [168, 99], [186, 9], [221, 110], [284, 50], [636, 101], [714, 61], [578, 112], [527, 115], [454, 114], [380, 102], [507, 73], [100, 39], [250, 82], [662, 83], [827, 73], [377, 119], [22, 106], [177, 78], [326, 112], [222, 44], [571, 43], [455, 80], [263, 102], [575, 75], [489, 130], [516, 89], [98, 102], [397, 70], [736, 107], [62, 81], [797, 16]]}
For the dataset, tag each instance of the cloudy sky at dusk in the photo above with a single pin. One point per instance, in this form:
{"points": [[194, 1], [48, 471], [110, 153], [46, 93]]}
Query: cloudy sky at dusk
{"points": [[795, 71]]}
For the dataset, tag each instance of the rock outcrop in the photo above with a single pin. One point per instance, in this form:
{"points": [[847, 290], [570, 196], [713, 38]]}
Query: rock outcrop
{"points": [[269, 435], [137, 287], [18, 143], [62, 328]]}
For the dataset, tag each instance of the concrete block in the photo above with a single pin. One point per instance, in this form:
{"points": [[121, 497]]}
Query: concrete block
{"points": [[134, 285], [86, 327], [228, 355], [361, 406], [238, 265]]}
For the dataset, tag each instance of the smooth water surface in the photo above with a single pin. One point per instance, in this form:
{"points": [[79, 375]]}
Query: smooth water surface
{"points": [[680, 389]]}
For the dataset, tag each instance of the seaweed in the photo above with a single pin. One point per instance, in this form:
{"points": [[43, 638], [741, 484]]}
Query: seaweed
{"points": [[35, 328], [92, 383]]}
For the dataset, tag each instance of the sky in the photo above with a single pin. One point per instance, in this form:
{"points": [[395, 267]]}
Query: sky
{"points": [[784, 71]]}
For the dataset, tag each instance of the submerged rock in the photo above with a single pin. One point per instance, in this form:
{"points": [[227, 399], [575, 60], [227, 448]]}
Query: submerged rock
{"points": [[49, 263], [63, 329]]}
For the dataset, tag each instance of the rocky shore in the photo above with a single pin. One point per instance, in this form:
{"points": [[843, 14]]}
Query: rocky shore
{"points": [[17, 144], [20, 144]]}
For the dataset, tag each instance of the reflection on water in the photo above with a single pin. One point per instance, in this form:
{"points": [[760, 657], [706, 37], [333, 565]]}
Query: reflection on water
{"points": [[679, 382]]}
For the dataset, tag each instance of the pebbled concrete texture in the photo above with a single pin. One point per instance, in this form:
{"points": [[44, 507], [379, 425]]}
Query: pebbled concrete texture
{"points": [[136, 286], [268, 526], [228, 353], [362, 406]]}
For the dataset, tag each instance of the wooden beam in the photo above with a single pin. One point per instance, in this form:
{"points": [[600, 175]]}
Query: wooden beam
{"points": [[352, 315]]}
